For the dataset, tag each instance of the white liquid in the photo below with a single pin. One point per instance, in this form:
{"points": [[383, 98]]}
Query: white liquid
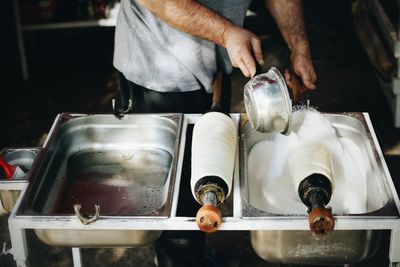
{"points": [[270, 185], [213, 148]]}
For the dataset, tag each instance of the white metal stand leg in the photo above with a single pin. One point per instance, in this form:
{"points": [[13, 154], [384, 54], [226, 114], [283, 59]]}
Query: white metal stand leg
{"points": [[19, 246], [394, 255], [20, 40], [76, 256]]}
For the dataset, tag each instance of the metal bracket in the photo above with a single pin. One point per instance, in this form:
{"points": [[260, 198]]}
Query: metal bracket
{"points": [[82, 219], [120, 113]]}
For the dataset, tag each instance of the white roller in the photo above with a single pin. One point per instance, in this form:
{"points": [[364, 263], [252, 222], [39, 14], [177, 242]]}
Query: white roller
{"points": [[213, 148], [309, 158]]}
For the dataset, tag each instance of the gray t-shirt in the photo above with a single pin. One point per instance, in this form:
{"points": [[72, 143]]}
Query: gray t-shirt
{"points": [[156, 56]]}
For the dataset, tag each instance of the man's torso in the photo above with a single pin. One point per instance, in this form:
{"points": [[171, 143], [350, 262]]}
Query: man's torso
{"points": [[156, 56]]}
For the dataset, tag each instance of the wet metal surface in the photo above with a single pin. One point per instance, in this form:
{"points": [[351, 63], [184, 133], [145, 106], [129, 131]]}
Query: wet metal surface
{"points": [[127, 167], [301, 247], [351, 126], [87, 156]]}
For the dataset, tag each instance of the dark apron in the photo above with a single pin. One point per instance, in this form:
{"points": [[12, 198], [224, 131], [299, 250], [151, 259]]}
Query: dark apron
{"points": [[150, 101]]}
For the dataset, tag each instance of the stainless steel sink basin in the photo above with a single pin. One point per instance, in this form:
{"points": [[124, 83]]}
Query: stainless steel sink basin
{"points": [[300, 246], [126, 167]]}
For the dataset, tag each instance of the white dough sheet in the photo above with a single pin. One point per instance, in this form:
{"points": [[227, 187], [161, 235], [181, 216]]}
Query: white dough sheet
{"points": [[271, 187]]}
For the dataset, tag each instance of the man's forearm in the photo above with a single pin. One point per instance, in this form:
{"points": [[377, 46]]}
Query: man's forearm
{"points": [[190, 17], [288, 14], [196, 19]]}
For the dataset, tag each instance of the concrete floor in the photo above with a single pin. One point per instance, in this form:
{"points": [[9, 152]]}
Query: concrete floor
{"points": [[71, 71]]}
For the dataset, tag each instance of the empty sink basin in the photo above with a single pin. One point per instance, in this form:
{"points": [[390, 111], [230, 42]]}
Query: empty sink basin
{"points": [[126, 167]]}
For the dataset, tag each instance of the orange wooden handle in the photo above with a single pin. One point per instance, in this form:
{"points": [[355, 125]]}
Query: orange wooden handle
{"points": [[321, 221], [217, 88], [209, 218]]}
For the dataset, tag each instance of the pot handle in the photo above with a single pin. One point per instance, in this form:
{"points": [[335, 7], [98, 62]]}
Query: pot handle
{"points": [[119, 113], [82, 219]]}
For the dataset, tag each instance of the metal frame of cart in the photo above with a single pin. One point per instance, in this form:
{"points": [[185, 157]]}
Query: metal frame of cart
{"points": [[18, 224]]}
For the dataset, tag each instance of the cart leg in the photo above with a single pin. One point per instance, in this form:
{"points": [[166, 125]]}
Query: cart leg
{"points": [[76, 256], [394, 255], [19, 246]]}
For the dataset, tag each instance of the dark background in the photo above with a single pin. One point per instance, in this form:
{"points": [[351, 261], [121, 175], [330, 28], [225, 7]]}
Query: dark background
{"points": [[71, 71]]}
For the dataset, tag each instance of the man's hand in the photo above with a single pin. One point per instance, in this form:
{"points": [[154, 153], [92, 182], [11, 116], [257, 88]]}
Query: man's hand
{"points": [[194, 18], [288, 14], [244, 49], [302, 67]]}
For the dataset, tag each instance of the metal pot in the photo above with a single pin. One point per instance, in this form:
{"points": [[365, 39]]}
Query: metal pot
{"points": [[268, 104], [9, 190]]}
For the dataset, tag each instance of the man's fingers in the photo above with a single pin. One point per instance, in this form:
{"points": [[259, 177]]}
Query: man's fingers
{"points": [[308, 78], [293, 85], [287, 76], [248, 59], [288, 79], [234, 64], [310, 86], [242, 66], [256, 47], [238, 62]]}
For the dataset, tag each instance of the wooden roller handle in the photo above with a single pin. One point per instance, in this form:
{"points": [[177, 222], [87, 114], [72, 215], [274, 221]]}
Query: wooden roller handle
{"points": [[321, 221], [209, 218], [217, 90]]}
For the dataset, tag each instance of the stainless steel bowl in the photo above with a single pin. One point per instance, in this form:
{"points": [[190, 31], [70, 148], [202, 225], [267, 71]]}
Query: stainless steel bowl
{"points": [[268, 104], [24, 159]]}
